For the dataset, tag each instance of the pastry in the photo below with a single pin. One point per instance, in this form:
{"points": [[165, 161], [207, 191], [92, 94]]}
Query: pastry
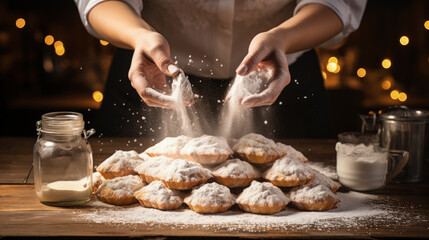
{"points": [[210, 198], [207, 150], [313, 198], [169, 147], [177, 174], [262, 198], [289, 172], [157, 195], [291, 152], [235, 173], [121, 163], [120, 190], [322, 179], [256, 148], [97, 180]]}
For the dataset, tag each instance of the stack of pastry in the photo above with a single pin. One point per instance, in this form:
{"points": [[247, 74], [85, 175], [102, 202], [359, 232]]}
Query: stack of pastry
{"points": [[206, 165]]}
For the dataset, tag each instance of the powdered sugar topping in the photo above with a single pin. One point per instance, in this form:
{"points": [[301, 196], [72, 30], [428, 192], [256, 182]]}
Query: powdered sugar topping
{"points": [[121, 160], [290, 166], [253, 143], [262, 194], [211, 194], [236, 168], [157, 192], [123, 186], [207, 145], [311, 194], [169, 145], [291, 152]]}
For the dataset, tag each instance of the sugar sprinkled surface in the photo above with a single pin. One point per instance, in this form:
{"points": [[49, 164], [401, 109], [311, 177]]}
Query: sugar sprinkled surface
{"points": [[355, 211]]}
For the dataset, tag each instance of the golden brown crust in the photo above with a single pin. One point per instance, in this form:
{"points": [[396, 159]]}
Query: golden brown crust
{"points": [[208, 209], [108, 196], [321, 205], [207, 158], [261, 209], [176, 185], [259, 159], [282, 180], [233, 182]]}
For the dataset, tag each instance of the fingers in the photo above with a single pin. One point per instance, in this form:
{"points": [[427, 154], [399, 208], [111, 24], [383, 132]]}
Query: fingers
{"points": [[161, 57], [252, 59]]}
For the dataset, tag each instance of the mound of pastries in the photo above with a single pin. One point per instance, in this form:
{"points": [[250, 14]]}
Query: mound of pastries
{"points": [[121, 163], [207, 150], [174, 173], [120, 190], [210, 198], [235, 173], [157, 195], [176, 165], [262, 198]]}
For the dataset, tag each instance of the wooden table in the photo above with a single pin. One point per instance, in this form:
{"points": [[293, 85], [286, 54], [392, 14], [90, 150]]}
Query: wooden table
{"points": [[21, 214]]}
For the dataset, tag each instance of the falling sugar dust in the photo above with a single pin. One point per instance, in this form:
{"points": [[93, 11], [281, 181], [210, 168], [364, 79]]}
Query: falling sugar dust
{"points": [[234, 113]]}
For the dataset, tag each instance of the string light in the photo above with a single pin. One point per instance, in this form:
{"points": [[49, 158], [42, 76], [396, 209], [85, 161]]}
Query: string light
{"points": [[361, 72], [402, 97], [97, 96], [49, 40], [58, 43], [404, 40], [386, 63], [331, 67], [60, 50], [20, 22], [386, 84], [427, 25], [333, 60], [394, 94], [104, 43]]}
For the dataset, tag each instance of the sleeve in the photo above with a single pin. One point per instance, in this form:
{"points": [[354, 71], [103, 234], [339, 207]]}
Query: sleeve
{"points": [[85, 6], [350, 13]]}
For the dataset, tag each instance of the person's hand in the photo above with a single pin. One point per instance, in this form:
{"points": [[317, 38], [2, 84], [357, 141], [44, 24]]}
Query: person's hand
{"points": [[150, 63], [266, 50]]}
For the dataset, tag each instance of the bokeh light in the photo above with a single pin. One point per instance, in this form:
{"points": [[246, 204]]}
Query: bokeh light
{"points": [[427, 25], [324, 75], [404, 40], [20, 22], [97, 96], [331, 67], [361, 72], [49, 40], [386, 84], [333, 60], [402, 97], [386, 63], [104, 43], [58, 43], [60, 50], [394, 94]]}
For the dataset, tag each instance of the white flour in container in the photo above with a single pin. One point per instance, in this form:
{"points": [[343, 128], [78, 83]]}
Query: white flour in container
{"points": [[356, 210], [65, 191]]}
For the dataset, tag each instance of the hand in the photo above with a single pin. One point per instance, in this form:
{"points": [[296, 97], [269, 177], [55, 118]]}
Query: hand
{"points": [[267, 51], [150, 63]]}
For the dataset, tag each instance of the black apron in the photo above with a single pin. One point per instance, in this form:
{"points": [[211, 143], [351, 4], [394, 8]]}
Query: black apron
{"points": [[301, 111]]}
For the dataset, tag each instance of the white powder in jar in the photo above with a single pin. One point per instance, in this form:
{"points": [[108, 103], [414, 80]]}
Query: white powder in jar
{"points": [[65, 191], [361, 167]]}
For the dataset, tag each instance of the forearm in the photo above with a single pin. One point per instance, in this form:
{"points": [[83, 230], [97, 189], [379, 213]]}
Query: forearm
{"points": [[310, 27], [116, 22]]}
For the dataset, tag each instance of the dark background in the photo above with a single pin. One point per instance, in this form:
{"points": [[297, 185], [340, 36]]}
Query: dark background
{"points": [[35, 80]]}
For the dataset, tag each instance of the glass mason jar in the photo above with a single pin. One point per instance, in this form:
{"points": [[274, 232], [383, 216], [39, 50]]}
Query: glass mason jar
{"points": [[62, 160]]}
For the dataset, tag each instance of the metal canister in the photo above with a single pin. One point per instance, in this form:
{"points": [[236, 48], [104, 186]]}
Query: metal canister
{"points": [[403, 128]]}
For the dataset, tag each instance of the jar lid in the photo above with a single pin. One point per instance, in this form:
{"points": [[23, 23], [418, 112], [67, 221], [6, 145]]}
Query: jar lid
{"points": [[404, 113], [62, 122]]}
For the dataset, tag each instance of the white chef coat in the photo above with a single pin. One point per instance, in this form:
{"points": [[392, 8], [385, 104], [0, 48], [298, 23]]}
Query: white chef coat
{"points": [[210, 38]]}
